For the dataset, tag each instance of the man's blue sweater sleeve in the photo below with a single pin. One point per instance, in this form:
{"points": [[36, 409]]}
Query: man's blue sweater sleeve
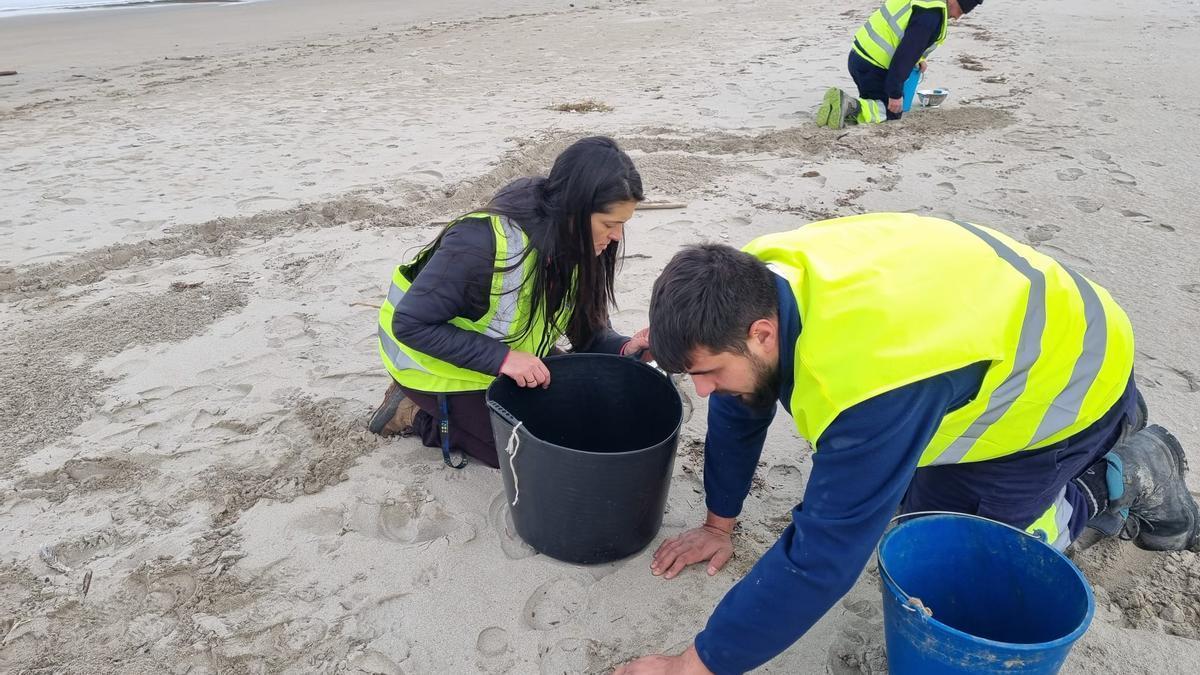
{"points": [[923, 28], [861, 470], [736, 433]]}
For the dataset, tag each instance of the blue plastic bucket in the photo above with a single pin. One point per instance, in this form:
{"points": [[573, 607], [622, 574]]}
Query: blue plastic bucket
{"points": [[998, 599], [910, 88]]}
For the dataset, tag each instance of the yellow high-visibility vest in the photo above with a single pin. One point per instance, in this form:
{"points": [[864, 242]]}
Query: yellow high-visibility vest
{"points": [[509, 304], [888, 299], [879, 37]]}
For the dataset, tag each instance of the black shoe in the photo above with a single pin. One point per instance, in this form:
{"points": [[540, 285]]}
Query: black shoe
{"points": [[386, 412], [1159, 512]]}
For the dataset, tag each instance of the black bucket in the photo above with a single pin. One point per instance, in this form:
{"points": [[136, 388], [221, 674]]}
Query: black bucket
{"points": [[592, 455]]}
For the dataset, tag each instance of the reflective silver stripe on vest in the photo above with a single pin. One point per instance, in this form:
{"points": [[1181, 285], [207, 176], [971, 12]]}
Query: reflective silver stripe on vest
{"points": [[1063, 412], [394, 295], [506, 304], [510, 286], [878, 39], [398, 358], [1029, 345], [893, 20]]}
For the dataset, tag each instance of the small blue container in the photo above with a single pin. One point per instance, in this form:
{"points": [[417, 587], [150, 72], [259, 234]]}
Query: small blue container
{"points": [[910, 88], [1001, 600]]}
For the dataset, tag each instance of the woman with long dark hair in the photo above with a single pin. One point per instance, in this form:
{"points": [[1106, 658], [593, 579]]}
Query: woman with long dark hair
{"points": [[495, 291]]}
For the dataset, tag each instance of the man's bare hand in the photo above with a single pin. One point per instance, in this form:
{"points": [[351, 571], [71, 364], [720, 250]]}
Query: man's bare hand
{"points": [[895, 105], [687, 663], [710, 542]]}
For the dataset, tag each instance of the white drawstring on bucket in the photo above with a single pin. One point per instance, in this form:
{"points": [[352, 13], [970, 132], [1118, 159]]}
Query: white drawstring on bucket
{"points": [[514, 444]]}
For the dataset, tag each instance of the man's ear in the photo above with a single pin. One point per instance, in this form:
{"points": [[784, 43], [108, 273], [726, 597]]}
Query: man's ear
{"points": [[764, 333]]}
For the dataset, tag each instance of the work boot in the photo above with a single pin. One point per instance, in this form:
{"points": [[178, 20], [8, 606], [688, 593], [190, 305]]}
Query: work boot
{"points": [[395, 415], [1148, 497], [836, 109]]}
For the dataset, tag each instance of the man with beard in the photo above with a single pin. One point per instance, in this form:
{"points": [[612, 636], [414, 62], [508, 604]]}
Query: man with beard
{"points": [[933, 366]]}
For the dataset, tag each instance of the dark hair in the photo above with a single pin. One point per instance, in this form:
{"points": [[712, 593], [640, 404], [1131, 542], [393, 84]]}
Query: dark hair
{"points": [[708, 296], [555, 212]]}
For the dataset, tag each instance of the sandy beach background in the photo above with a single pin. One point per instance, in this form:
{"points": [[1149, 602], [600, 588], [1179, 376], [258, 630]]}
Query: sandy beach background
{"points": [[200, 205]]}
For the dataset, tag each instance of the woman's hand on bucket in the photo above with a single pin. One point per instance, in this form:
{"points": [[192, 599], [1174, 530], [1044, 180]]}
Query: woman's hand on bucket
{"points": [[712, 541], [525, 369], [640, 342]]}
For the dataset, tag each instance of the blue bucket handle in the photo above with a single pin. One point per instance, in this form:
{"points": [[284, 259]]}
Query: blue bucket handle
{"points": [[910, 603]]}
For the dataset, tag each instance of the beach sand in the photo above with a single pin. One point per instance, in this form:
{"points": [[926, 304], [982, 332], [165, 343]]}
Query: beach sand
{"points": [[200, 205]]}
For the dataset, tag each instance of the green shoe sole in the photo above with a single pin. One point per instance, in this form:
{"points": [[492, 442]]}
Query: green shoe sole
{"points": [[830, 114]]}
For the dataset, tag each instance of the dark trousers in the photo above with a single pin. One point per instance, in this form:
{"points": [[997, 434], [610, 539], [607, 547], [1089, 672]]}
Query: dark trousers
{"points": [[1018, 489], [470, 424], [870, 81]]}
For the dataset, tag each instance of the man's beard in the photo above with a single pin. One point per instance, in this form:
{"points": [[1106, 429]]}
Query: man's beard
{"points": [[766, 384]]}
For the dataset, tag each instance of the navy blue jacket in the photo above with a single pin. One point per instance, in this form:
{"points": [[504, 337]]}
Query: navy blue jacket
{"points": [[923, 28], [866, 459]]}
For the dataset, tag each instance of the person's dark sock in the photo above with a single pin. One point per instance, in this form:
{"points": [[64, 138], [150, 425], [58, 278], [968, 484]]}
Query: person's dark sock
{"points": [[1093, 483]]}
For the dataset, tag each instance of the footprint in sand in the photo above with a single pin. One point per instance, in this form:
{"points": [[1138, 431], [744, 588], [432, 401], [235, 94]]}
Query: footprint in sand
{"points": [[170, 591], [500, 518], [410, 523], [374, 663], [1151, 375], [492, 641], [90, 469], [555, 603], [264, 202], [494, 652], [784, 485], [1069, 175], [1072, 260], [78, 552], [575, 655], [680, 227], [1190, 288], [413, 518], [137, 225], [1143, 219], [1122, 177], [945, 190], [1041, 233], [323, 521], [68, 201], [1100, 155], [1084, 204], [298, 635], [858, 648]]}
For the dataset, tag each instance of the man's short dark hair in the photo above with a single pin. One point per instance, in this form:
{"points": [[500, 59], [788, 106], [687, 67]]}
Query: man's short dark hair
{"points": [[708, 296]]}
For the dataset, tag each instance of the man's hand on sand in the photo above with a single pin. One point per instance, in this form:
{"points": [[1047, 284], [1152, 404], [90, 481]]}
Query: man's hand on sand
{"points": [[687, 663], [709, 542], [895, 105]]}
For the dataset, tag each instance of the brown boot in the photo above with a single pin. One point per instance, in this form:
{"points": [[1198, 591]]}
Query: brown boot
{"points": [[395, 415]]}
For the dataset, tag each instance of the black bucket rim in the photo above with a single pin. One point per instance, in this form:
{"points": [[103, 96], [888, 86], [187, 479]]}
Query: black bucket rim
{"points": [[508, 417]]}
